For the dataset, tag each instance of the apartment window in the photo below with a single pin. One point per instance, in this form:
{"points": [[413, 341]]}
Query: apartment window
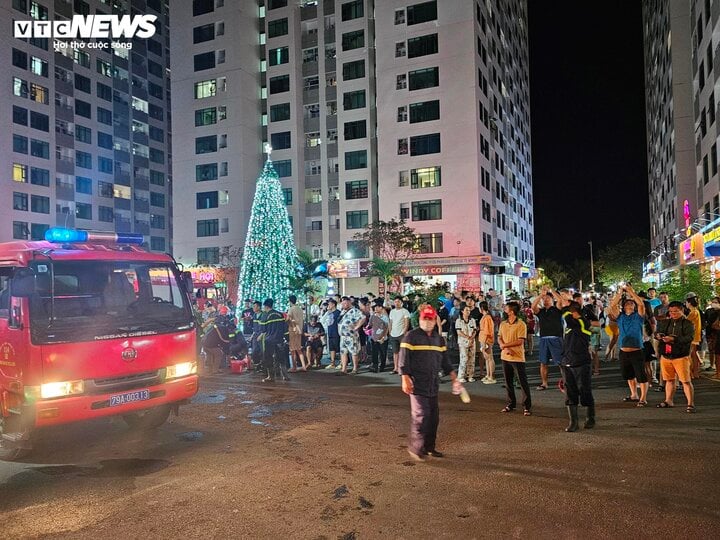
{"points": [[104, 91], [39, 149], [356, 189], [310, 55], [353, 40], [39, 177], [20, 173], [83, 210], [287, 196], [83, 160], [427, 210], [156, 91], [279, 84], [706, 175], [355, 130], [283, 168], [280, 141], [157, 178], [402, 146], [205, 145], [313, 196], [20, 230], [425, 144], [106, 214], [157, 156], [204, 61], [420, 13], [83, 134], [20, 201], [486, 211], [208, 227], [20, 115], [400, 16], [429, 243], [104, 140], [157, 134], [277, 28], [713, 160], [356, 219], [157, 221], [39, 121], [19, 58], [279, 56], [83, 108], [354, 100], [206, 117], [38, 230], [356, 159], [82, 84], [103, 67], [352, 10], [206, 172], [402, 114], [105, 165], [425, 111], [403, 178], [424, 78], [205, 89], [83, 185], [104, 116], [400, 49], [206, 200], [200, 7], [275, 4], [422, 45], [203, 33], [20, 144], [155, 47], [40, 204], [401, 82], [487, 243], [711, 108], [353, 70], [208, 255], [39, 66], [357, 249], [425, 178], [280, 112]]}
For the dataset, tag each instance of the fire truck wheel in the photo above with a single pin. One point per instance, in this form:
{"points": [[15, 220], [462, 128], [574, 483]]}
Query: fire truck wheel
{"points": [[149, 418], [9, 450]]}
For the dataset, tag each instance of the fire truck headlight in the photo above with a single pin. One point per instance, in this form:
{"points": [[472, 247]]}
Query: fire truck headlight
{"points": [[61, 389], [181, 370]]}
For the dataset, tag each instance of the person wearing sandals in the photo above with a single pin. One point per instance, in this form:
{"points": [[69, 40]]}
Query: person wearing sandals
{"points": [[632, 355], [511, 338], [675, 335], [351, 321], [486, 338], [576, 366], [549, 319]]}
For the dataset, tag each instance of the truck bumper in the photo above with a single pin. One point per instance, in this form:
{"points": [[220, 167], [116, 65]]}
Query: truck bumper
{"points": [[53, 412]]}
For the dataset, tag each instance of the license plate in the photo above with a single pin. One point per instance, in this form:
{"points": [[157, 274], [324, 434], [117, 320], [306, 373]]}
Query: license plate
{"points": [[129, 397]]}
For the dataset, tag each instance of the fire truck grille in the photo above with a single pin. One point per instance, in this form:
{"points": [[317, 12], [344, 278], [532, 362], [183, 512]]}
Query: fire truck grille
{"points": [[127, 382]]}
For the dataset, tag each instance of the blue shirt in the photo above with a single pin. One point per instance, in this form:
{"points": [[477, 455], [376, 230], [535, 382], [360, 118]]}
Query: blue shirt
{"points": [[655, 302], [631, 331]]}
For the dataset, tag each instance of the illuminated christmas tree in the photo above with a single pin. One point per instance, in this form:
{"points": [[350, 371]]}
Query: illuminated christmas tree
{"points": [[269, 256]]}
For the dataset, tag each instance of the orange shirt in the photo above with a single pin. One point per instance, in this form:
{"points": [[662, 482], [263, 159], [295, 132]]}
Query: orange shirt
{"points": [[510, 333], [487, 329]]}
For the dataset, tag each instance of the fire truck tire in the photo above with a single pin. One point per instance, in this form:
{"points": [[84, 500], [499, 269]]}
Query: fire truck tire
{"points": [[149, 418]]}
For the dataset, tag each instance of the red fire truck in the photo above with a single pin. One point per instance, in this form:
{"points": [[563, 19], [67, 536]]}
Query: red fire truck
{"points": [[91, 325]]}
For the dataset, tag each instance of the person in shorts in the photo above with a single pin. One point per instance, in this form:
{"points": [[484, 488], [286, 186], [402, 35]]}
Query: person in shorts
{"points": [[399, 325], [675, 335], [349, 325], [549, 318], [330, 323]]}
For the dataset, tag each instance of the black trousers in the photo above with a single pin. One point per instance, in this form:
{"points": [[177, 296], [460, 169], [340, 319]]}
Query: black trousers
{"points": [[578, 389], [509, 369], [424, 420], [379, 350], [274, 358]]}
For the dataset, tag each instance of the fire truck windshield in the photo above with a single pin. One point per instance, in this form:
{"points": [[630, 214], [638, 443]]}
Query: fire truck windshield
{"points": [[92, 300]]}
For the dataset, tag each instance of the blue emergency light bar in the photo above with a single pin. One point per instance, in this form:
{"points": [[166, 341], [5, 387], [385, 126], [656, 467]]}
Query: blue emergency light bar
{"points": [[59, 235]]}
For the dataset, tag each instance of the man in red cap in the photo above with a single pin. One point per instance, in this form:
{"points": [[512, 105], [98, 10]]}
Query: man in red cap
{"points": [[423, 354]]}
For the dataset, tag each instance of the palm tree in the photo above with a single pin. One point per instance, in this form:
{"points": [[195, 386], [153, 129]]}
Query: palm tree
{"points": [[304, 283], [383, 270]]}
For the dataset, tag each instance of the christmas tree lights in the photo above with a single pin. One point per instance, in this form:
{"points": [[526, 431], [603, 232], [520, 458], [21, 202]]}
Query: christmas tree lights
{"points": [[269, 256]]}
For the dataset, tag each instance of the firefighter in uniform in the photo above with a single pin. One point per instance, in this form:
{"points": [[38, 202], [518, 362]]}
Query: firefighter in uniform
{"points": [[576, 366], [274, 334], [423, 354]]}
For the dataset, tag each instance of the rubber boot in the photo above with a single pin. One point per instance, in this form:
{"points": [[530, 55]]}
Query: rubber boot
{"points": [[573, 416], [590, 420]]}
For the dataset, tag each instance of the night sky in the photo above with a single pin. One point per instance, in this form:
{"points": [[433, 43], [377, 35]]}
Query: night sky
{"points": [[588, 125]]}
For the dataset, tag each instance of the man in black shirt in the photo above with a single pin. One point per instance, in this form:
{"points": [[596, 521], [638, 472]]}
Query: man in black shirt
{"points": [[551, 331], [247, 316], [576, 366]]}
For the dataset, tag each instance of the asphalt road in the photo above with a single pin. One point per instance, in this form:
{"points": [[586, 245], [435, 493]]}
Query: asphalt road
{"points": [[324, 456]]}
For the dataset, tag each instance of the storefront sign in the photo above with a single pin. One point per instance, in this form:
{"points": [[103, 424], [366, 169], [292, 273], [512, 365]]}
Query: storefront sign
{"points": [[447, 261], [439, 270], [203, 275], [692, 249]]}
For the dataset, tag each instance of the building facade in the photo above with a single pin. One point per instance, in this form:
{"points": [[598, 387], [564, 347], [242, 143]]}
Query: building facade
{"points": [[89, 138], [375, 110]]}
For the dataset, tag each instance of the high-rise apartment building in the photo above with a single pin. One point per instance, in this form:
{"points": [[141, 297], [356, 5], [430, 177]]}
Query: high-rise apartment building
{"points": [[375, 109], [89, 126]]}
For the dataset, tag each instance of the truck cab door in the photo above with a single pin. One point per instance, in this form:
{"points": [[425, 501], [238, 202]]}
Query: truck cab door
{"points": [[14, 335]]}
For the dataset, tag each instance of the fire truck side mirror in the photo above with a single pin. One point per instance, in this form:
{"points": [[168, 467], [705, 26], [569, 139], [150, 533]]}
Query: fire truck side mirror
{"points": [[188, 281], [23, 283]]}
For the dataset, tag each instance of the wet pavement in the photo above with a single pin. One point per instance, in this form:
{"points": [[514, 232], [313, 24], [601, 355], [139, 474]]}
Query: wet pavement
{"points": [[324, 456]]}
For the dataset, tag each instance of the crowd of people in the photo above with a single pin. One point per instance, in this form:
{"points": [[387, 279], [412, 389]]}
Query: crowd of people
{"points": [[656, 342]]}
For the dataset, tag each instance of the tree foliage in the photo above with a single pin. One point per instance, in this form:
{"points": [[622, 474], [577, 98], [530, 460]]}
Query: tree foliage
{"points": [[555, 272], [389, 240], [384, 270], [304, 282], [622, 262], [689, 279]]}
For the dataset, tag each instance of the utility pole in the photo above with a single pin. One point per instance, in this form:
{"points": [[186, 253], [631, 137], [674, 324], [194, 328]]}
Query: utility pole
{"points": [[592, 267]]}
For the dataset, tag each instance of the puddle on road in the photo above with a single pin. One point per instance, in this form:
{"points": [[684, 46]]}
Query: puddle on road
{"points": [[266, 411], [109, 468], [247, 402], [191, 436], [208, 399]]}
